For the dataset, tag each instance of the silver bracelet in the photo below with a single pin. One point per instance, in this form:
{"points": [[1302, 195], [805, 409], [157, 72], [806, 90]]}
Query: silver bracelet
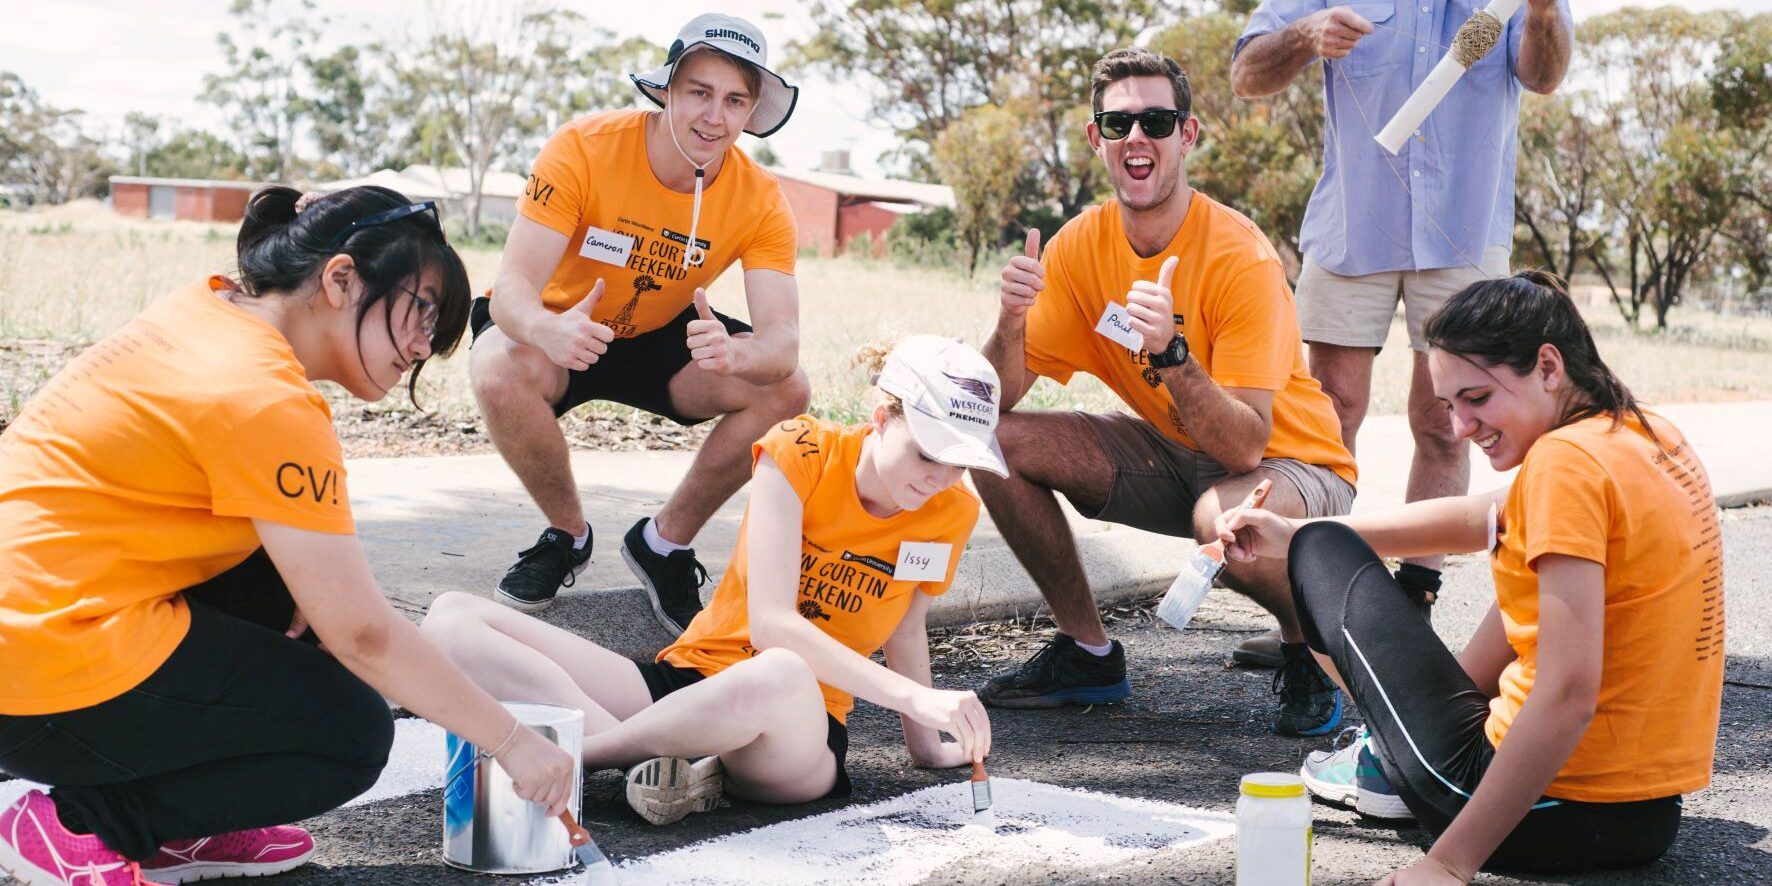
{"points": [[515, 725]]}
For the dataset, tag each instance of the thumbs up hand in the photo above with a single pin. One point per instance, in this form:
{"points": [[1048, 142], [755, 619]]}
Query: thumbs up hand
{"points": [[1152, 308], [571, 338], [710, 345], [1023, 278]]}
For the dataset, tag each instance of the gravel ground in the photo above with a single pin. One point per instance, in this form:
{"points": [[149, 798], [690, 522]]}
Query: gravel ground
{"points": [[393, 427]]}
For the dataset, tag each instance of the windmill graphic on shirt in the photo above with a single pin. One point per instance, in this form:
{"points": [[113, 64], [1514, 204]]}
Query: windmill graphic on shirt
{"points": [[623, 324]]}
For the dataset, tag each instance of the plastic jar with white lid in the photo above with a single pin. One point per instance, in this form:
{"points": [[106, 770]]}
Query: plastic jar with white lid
{"points": [[1273, 831]]}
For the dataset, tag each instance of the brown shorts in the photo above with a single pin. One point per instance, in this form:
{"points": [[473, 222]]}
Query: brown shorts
{"points": [[1157, 480]]}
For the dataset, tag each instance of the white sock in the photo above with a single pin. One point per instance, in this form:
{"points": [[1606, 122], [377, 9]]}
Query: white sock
{"points": [[578, 541], [659, 544], [1096, 651]]}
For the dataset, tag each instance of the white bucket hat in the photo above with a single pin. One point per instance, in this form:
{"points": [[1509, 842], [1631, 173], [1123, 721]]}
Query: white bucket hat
{"points": [[741, 40], [950, 393]]}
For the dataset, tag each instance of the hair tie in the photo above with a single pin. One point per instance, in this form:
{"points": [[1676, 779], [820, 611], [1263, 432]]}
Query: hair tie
{"points": [[305, 200]]}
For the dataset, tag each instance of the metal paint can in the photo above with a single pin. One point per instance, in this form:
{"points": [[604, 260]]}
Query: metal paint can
{"points": [[487, 828]]}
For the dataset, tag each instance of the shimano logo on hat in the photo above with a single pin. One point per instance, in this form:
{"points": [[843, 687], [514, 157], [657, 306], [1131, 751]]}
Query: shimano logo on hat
{"points": [[735, 36]]}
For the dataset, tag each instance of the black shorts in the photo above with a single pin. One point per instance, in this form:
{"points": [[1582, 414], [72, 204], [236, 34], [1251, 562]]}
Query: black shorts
{"points": [[664, 678], [634, 371]]}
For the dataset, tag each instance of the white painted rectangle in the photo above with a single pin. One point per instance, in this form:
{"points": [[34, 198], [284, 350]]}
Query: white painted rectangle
{"points": [[905, 839]]}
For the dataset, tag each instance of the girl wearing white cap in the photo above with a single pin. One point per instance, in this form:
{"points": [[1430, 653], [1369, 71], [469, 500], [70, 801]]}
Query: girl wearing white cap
{"points": [[850, 534]]}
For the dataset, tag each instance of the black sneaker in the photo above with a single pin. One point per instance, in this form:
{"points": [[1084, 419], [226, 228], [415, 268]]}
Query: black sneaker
{"points": [[540, 572], [1310, 703], [672, 583], [1061, 673]]}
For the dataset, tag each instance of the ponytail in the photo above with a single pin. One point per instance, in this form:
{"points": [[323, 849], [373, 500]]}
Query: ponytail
{"points": [[1504, 322], [872, 357], [287, 238]]}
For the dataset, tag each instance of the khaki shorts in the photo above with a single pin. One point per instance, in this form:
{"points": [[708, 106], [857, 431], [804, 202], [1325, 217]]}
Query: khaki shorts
{"points": [[1157, 480], [1356, 312]]}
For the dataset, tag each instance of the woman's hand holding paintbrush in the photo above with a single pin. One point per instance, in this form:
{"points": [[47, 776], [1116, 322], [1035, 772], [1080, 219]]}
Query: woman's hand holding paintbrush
{"points": [[1249, 534]]}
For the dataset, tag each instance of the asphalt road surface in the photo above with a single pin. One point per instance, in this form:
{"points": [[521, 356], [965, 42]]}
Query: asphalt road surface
{"points": [[1191, 729]]}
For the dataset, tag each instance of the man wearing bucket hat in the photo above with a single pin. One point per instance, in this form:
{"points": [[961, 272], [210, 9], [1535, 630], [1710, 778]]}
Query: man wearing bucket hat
{"points": [[1180, 305], [627, 217], [849, 535]]}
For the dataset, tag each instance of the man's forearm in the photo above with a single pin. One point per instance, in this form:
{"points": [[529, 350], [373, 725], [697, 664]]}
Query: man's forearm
{"points": [[764, 358], [1270, 62], [1545, 48], [516, 307], [1228, 430], [1007, 350]]}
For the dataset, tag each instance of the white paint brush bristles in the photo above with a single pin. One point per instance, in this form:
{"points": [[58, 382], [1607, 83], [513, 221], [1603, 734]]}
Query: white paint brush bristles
{"points": [[1189, 589]]}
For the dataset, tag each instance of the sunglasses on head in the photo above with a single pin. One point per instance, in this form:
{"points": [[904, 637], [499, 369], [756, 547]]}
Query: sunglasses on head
{"points": [[1156, 122], [389, 217]]}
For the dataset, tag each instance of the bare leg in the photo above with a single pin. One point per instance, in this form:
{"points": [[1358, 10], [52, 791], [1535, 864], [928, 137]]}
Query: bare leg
{"points": [[723, 465], [1442, 464], [516, 387], [518, 658], [1264, 580], [764, 717], [1346, 376], [1049, 451]]}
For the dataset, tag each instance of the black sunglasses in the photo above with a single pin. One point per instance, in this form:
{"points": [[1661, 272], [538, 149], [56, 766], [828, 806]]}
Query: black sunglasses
{"points": [[391, 216], [1156, 122]]}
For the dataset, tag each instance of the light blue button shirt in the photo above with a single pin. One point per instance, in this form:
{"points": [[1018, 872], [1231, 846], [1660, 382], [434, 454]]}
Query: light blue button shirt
{"points": [[1450, 192]]}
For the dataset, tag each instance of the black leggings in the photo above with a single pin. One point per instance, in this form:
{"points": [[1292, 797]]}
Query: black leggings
{"points": [[1426, 716], [240, 728]]}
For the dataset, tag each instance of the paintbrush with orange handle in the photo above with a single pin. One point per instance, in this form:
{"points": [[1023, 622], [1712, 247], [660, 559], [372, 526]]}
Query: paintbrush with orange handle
{"points": [[1189, 589]]}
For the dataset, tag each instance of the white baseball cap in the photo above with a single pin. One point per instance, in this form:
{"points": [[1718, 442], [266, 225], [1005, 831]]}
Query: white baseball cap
{"points": [[741, 40], [950, 393]]}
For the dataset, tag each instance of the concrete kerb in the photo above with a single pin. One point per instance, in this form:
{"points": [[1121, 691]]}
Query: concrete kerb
{"points": [[454, 523]]}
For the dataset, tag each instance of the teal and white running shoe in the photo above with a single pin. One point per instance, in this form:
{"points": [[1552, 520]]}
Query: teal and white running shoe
{"points": [[1348, 775]]}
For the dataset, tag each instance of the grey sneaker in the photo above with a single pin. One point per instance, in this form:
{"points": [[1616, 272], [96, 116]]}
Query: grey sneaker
{"points": [[1259, 651]]}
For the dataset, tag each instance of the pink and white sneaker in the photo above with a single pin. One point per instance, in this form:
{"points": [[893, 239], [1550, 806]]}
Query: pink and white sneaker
{"points": [[259, 852], [37, 851]]}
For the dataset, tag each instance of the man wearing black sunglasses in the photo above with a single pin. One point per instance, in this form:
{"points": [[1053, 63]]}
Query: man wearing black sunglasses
{"points": [[1180, 305]]}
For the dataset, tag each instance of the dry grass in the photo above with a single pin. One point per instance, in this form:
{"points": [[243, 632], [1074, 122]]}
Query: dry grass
{"points": [[76, 273]]}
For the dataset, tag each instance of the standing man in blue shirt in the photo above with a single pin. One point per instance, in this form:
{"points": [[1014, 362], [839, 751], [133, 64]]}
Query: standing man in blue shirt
{"points": [[1418, 226]]}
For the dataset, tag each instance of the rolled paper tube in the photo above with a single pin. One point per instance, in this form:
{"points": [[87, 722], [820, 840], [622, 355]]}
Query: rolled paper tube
{"points": [[1474, 40]]}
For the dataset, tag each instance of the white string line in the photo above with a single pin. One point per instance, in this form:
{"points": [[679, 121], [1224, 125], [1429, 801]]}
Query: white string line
{"points": [[1415, 37], [1335, 133]]}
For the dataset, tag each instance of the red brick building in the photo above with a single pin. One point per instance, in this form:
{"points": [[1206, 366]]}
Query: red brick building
{"points": [[833, 208], [184, 199]]}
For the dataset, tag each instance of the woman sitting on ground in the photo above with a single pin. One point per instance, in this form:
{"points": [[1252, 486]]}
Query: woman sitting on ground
{"points": [[1586, 703], [173, 517], [849, 535]]}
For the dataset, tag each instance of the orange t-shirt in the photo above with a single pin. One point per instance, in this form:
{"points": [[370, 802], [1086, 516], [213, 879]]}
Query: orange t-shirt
{"points": [[1648, 517], [1231, 302], [594, 184], [135, 473], [847, 555]]}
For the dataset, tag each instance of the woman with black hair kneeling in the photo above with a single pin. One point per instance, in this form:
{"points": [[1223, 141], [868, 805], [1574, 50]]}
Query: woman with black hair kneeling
{"points": [[173, 517], [1563, 736]]}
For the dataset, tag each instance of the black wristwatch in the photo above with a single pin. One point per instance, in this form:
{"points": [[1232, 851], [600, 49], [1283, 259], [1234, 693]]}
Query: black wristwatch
{"points": [[1172, 356]]}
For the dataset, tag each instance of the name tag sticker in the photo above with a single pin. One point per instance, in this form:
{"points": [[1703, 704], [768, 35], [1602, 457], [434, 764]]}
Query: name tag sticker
{"points": [[1116, 324], [922, 561], [606, 246]]}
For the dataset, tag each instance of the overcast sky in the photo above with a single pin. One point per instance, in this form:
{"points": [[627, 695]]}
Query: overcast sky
{"points": [[110, 57]]}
